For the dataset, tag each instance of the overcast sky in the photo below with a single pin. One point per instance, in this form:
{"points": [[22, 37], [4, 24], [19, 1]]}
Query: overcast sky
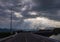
{"points": [[30, 14]]}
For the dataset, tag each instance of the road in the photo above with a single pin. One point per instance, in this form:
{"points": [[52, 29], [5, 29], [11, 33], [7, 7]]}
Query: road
{"points": [[29, 37]]}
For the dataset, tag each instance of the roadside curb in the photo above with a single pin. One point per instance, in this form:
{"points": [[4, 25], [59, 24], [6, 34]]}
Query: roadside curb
{"points": [[8, 37]]}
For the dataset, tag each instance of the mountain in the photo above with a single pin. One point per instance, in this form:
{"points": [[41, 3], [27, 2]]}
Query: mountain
{"points": [[5, 30]]}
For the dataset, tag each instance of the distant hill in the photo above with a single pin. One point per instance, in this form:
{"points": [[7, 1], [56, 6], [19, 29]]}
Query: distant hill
{"points": [[5, 30]]}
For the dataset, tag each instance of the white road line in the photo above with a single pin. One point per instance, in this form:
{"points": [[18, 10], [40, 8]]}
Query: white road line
{"points": [[25, 38], [8, 37]]}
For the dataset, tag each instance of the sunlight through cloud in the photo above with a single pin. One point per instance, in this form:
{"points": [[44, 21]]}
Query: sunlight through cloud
{"points": [[17, 14]]}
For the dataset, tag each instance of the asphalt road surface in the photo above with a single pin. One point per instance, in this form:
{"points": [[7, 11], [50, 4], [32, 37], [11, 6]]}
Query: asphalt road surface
{"points": [[29, 37]]}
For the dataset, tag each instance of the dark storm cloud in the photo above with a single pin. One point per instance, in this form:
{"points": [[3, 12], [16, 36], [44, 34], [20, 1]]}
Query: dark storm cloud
{"points": [[49, 8], [51, 14], [43, 8], [8, 7], [41, 5], [14, 5], [47, 4]]}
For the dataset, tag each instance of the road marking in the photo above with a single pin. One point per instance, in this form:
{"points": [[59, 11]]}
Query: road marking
{"points": [[25, 38], [8, 37]]}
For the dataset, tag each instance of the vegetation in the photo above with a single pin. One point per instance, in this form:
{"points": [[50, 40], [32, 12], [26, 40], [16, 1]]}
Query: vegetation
{"points": [[5, 34], [40, 32], [56, 31]]}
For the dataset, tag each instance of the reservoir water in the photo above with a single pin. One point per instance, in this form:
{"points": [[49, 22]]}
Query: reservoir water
{"points": [[57, 37]]}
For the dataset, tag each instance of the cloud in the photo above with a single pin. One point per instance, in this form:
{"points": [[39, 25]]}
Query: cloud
{"points": [[18, 15], [26, 11], [32, 13], [51, 14], [39, 23]]}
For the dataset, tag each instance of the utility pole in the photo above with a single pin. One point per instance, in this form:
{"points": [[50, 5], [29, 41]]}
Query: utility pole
{"points": [[11, 21]]}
